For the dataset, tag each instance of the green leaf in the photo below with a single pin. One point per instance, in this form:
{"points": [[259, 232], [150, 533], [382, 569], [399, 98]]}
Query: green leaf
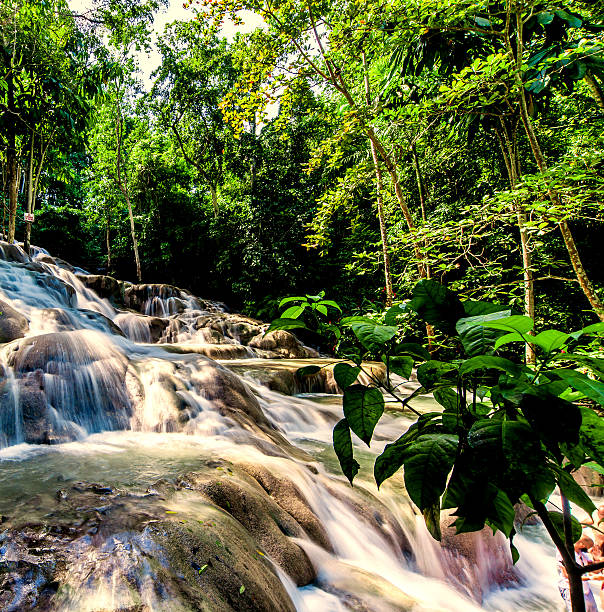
{"points": [[241, 589], [595, 328], [294, 312], [592, 434], [436, 373], [557, 519], [373, 337], [477, 308], [507, 338], [345, 375], [330, 303], [392, 313], [436, 305], [595, 467], [550, 340], [342, 444], [545, 17], [392, 457], [403, 366], [488, 362], [285, 324], [322, 309], [287, 300], [427, 465], [515, 323], [363, 407], [413, 349], [571, 490], [431, 516], [349, 321], [475, 337], [503, 513], [593, 389], [309, 370]]}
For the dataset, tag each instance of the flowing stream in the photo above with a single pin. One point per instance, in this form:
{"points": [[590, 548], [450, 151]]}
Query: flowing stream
{"points": [[120, 426]]}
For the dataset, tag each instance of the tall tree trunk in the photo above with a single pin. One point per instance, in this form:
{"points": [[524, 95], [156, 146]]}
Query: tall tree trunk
{"points": [[596, 90], [573, 253], [382, 220], [30, 194], [108, 239], [380, 199], [123, 185], [214, 200], [512, 165], [11, 161]]}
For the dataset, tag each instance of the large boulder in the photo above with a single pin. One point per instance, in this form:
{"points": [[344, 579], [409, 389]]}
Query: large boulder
{"points": [[13, 324], [105, 286], [96, 548], [283, 344]]}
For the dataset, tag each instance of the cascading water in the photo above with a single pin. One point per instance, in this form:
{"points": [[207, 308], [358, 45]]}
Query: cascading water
{"points": [[182, 483]]}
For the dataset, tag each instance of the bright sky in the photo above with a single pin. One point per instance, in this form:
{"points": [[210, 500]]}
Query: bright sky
{"points": [[175, 12]]}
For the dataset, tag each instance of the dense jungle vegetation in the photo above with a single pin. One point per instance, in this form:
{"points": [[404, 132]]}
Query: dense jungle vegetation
{"points": [[355, 146]]}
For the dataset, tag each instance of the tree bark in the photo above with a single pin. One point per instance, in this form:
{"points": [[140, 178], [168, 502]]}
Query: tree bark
{"points": [[511, 163], [380, 200], [573, 253], [214, 200], [122, 183], [11, 162], [596, 90]]}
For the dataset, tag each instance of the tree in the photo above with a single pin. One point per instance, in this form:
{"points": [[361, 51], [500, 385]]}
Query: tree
{"points": [[195, 74]]}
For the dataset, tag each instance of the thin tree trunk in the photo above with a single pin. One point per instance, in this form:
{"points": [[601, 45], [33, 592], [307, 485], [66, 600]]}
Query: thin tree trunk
{"points": [[380, 200], [420, 183], [214, 200], [573, 253], [108, 240], [30, 194], [11, 163], [124, 189], [511, 163], [595, 89]]}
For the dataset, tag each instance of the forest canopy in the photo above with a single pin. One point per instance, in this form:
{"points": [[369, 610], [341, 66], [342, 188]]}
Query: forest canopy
{"points": [[356, 147]]}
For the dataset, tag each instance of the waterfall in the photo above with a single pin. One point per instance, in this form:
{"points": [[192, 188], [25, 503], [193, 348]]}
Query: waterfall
{"points": [[124, 444]]}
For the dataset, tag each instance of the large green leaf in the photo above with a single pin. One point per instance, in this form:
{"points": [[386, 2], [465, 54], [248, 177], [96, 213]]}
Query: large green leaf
{"points": [[345, 375], [374, 337], [595, 364], [294, 311], [478, 308], [436, 305], [427, 465], [592, 434], [393, 313], [557, 519], [436, 373], [392, 457], [572, 491], [431, 516], [413, 349], [550, 340], [286, 324], [475, 337], [502, 514], [593, 389], [515, 323], [363, 407], [287, 300], [489, 362], [342, 444], [401, 365], [309, 370]]}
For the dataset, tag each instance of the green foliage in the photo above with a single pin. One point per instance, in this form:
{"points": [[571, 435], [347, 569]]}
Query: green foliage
{"points": [[507, 432]]}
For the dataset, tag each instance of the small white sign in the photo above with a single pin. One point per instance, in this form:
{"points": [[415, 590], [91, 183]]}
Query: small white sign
{"points": [[29, 217]]}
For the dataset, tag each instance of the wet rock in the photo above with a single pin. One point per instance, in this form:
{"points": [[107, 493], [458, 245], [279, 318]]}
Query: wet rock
{"points": [[12, 252], [105, 286], [288, 496], [266, 521], [587, 478], [283, 344], [213, 351], [13, 324], [47, 259], [476, 560]]}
